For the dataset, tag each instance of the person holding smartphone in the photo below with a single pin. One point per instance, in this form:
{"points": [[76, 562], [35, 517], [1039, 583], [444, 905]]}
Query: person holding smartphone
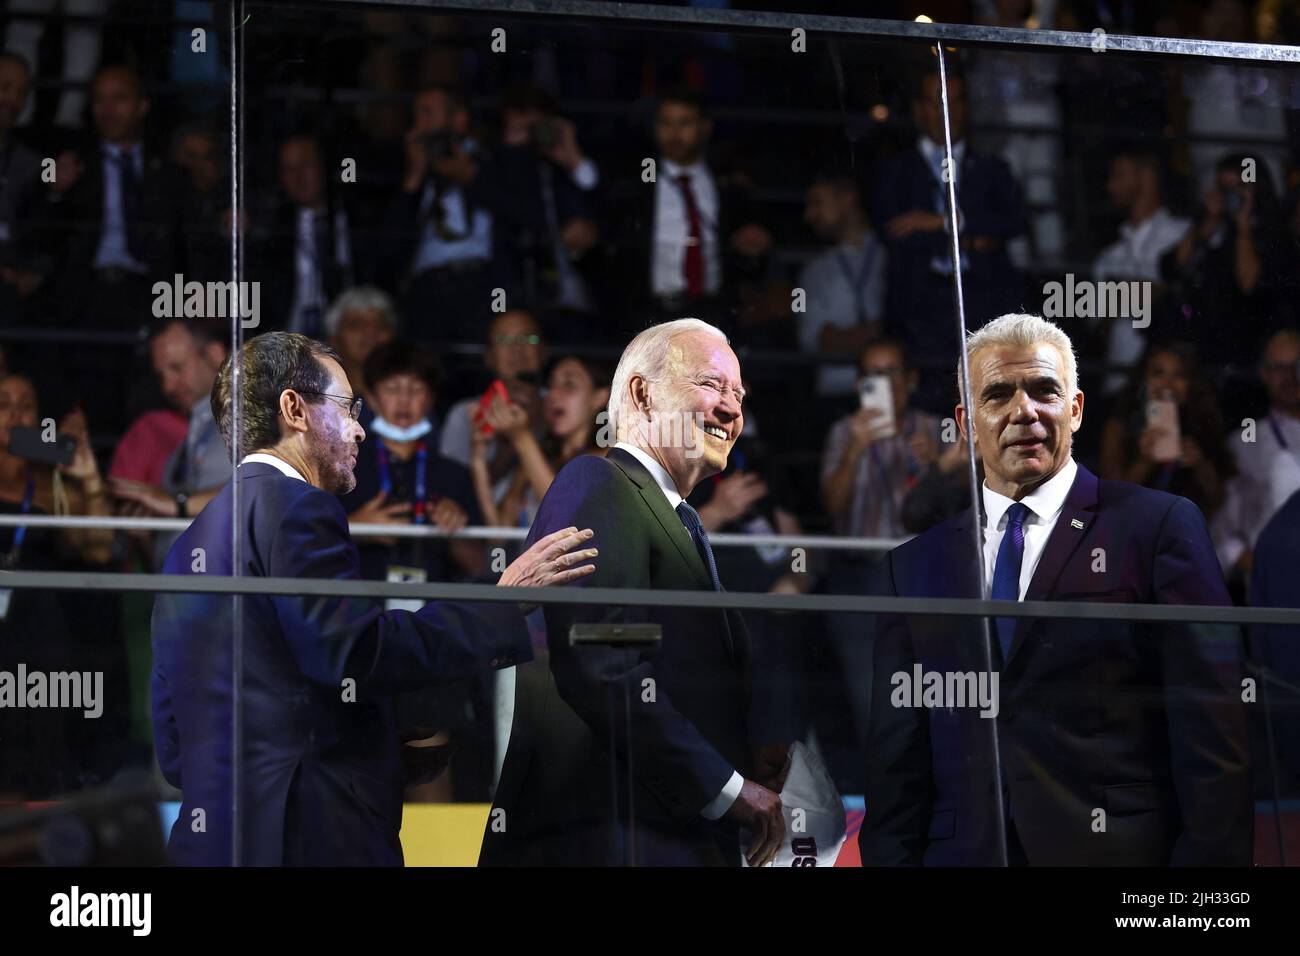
{"points": [[1168, 431]]}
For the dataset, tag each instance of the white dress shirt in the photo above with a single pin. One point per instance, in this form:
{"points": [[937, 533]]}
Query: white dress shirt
{"points": [[1044, 503], [283, 466], [1135, 255], [112, 251], [723, 801], [672, 228]]}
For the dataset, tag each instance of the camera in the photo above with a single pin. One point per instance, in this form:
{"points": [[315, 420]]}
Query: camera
{"points": [[438, 144]]}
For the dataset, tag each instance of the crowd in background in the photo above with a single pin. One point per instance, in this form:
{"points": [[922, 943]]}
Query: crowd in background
{"points": [[479, 240]]}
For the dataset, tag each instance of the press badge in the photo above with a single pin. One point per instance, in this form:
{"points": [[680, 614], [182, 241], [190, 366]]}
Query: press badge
{"points": [[400, 574]]}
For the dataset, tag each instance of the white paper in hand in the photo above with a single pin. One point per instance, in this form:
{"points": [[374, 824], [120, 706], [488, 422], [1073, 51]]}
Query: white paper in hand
{"points": [[813, 811]]}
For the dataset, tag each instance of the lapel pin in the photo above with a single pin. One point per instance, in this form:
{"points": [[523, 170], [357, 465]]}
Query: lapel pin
{"points": [[1076, 523]]}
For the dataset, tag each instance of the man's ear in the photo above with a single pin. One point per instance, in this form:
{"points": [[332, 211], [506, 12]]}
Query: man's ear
{"points": [[640, 394], [960, 414], [1076, 418], [293, 410]]}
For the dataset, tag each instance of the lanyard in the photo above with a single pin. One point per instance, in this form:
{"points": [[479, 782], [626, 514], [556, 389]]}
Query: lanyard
{"points": [[386, 479], [21, 531]]}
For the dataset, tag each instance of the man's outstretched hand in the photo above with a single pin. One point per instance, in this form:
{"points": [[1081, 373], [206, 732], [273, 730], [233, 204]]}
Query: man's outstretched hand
{"points": [[551, 561]]}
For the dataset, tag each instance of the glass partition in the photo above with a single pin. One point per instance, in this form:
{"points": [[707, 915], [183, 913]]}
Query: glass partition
{"points": [[429, 235]]}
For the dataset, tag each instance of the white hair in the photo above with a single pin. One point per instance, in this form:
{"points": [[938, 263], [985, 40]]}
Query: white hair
{"points": [[357, 299], [1024, 331], [648, 355]]}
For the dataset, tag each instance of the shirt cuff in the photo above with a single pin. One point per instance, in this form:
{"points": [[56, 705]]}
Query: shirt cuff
{"points": [[723, 801], [585, 175]]}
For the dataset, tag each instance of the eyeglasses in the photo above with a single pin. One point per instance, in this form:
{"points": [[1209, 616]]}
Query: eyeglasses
{"points": [[353, 404], [517, 340]]}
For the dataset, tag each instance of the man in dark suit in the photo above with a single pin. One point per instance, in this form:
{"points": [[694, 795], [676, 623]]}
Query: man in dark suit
{"points": [[320, 761], [109, 222], [679, 245], [563, 797], [305, 252], [1276, 647], [910, 203], [1121, 743]]}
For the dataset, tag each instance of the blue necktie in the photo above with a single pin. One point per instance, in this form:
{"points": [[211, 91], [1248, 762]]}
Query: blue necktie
{"points": [[691, 518], [1006, 572]]}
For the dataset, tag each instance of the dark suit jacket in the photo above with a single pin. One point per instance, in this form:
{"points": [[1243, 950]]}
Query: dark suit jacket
{"points": [[320, 775], [1143, 722], [628, 232], [73, 223], [1277, 646], [918, 304], [557, 781]]}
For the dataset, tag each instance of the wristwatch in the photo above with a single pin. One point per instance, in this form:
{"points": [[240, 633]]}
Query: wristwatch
{"points": [[182, 499]]}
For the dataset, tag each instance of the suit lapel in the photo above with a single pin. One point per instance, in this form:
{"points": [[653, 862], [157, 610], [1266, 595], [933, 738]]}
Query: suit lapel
{"points": [[1071, 527], [672, 526], [668, 519]]}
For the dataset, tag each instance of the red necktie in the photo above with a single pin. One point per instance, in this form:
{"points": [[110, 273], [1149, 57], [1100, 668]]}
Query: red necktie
{"points": [[693, 266]]}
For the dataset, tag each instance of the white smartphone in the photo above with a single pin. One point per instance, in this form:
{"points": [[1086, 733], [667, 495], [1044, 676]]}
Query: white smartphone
{"points": [[877, 392], [1162, 413]]}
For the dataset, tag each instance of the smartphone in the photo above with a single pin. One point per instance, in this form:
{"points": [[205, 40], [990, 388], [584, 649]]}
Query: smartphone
{"points": [[877, 392], [1162, 413], [26, 442], [496, 389]]}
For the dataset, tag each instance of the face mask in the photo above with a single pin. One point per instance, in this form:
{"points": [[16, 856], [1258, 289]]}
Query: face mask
{"points": [[385, 429]]}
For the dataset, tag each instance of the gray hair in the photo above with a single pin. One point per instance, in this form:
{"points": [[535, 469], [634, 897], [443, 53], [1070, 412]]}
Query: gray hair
{"points": [[357, 299], [1024, 331], [648, 355]]}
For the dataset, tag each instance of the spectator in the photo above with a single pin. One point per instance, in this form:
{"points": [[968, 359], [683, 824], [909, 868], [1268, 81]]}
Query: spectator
{"points": [[204, 200], [110, 214], [1228, 273], [36, 488], [869, 463], [1129, 440], [21, 271], [112, 206], [440, 237], [1147, 232], [360, 320], [577, 391], [911, 206], [186, 354], [681, 243], [306, 254], [553, 224], [403, 479], [1268, 465], [515, 353], [845, 285]]}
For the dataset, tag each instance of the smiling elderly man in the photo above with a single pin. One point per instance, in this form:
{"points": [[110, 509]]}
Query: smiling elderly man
{"points": [[1122, 743], [676, 402]]}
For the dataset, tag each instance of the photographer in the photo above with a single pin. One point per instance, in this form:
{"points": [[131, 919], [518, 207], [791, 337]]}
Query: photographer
{"points": [[552, 186], [440, 233], [1227, 272]]}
